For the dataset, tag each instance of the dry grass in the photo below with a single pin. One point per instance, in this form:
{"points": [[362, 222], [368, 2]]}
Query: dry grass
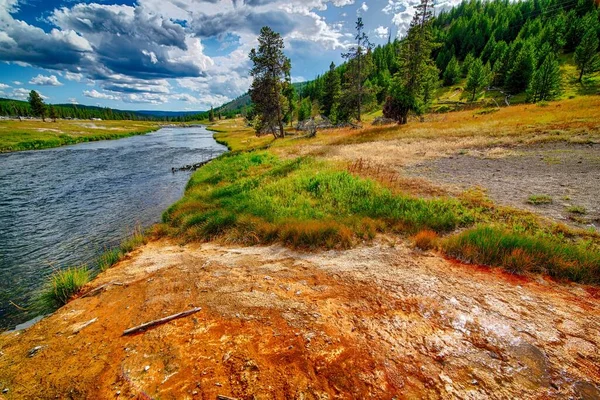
{"points": [[426, 240]]}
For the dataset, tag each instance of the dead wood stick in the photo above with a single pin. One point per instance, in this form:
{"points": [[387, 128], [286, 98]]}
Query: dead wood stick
{"points": [[84, 325], [100, 288], [160, 321], [221, 397]]}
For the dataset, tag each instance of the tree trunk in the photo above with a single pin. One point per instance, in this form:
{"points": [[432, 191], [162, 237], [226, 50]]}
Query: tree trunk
{"points": [[581, 75], [359, 85]]}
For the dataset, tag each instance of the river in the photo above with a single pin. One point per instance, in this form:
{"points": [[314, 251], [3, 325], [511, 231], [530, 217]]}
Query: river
{"points": [[62, 207]]}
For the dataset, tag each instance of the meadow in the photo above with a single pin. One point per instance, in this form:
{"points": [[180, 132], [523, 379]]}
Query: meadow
{"points": [[18, 135], [346, 186]]}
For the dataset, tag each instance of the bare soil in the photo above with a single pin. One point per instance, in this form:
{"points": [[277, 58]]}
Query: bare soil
{"points": [[382, 321], [567, 172]]}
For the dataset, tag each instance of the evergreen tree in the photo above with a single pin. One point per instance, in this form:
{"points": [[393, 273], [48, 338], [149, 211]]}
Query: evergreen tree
{"points": [[358, 68], [411, 87], [452, 72], [586, 54], [290, 95], [211, 115], [332, 92], [37, 105], [305, 109], [466, 65], [271, 73], [521, 69], [52, 113], [477, 78], [545, 84]]}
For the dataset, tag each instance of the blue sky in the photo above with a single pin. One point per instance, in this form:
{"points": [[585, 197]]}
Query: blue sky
{"points": [[171, 54]]}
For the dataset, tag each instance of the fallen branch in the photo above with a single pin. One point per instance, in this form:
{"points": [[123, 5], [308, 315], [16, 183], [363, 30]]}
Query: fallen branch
{"points": [[101, 288], [84, 325], [221, 397], [160, 321]]}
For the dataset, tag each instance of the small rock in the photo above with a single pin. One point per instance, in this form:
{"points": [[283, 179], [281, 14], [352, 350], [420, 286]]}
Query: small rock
{"points": [[218, 384], [5, 390], [195, 392], [34, 351], [146, 368], [118, 392]]}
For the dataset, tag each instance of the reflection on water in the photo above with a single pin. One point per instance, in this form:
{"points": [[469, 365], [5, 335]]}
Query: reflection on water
{"points": [[61, 207]]}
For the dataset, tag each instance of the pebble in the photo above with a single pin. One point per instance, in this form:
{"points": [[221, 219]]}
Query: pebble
{"points": [[118, 392], [5, 390], [146, 368]]}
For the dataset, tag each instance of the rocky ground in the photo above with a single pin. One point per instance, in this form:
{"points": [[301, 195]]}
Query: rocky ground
{"points": [[380, 321], [568, 173]]}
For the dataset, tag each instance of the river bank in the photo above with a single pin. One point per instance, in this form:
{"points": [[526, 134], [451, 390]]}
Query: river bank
{"points": [[34, 135], [352, 306]]}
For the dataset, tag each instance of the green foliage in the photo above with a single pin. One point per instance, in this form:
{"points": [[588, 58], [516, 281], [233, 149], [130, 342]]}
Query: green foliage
{"points": [[452, 72], [61, 287], [522, 67], [586, 54], [37, 104], [211, 115], [477, 78], [271, 73], [520, 253], [259, 198], [332, 92], [545, 84]]}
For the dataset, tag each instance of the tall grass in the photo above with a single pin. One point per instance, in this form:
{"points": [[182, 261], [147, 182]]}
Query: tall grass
{"points": [[256, 197], [112, 256], [519, 253], [62, 286]]}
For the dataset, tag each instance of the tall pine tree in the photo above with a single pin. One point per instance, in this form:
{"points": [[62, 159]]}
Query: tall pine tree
{"points": [[358, 68]]}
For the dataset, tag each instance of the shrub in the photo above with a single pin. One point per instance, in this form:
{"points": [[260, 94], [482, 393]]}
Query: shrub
{"points": [[134, 241], [426, 240], [577, 210], [62, 286]]}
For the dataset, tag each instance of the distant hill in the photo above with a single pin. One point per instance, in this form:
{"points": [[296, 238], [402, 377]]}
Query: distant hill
{"points": [[169, 114], [236, 106]]}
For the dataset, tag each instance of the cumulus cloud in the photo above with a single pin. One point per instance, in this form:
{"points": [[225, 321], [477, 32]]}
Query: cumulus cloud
{"points": [[94, 94], [382, 32], [3, 86], [42, 80]]}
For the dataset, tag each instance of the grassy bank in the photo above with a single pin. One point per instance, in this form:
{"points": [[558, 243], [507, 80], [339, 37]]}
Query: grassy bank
{"points": [[63, 284], [34, 135], [297, 192]]}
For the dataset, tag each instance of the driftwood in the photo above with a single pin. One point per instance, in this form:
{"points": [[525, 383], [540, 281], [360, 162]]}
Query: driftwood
{"points": [[101, 288], [221, 397], [160, 321], [79, 328]]}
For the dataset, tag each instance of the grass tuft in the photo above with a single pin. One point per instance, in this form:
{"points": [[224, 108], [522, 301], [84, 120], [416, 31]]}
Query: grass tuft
{"points": [[539, 199], [426, 240], [577, 210], [521, 253], [62, 286]]}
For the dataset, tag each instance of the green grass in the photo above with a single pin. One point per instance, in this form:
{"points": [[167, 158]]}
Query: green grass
{"points": [[519, 253], [577, 210], [35, 135], [112, 256], [539, 199], [62, 286], [256, 197]]}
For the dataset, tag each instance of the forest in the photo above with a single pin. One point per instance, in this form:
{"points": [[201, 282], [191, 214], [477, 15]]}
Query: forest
{"points": [[515, 48]]}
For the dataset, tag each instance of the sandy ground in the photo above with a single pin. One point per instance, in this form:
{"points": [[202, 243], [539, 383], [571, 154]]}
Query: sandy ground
{"points": [[382, 321], [568, 173]]}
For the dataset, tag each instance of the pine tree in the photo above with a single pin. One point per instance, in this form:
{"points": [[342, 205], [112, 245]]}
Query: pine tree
{"points": [[586, 56], [545, 84], [358, 68], [452, 72], [521, 69], [477, 78], [411, 87], [290, 95], [52, 113], [271, 73], [332, 91], [37, 105], [466, 65], [211, 115]]}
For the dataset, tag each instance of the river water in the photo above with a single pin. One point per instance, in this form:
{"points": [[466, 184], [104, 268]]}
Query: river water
{"points": [[62, 207]]}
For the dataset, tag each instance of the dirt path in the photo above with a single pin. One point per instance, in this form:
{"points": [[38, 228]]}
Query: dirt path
{"points": [[381, 321]]}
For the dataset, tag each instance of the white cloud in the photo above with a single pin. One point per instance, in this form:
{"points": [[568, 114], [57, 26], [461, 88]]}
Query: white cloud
{"points": [[3, 86], [382, 32], [42, 80], [73, 76], [94, 94]]}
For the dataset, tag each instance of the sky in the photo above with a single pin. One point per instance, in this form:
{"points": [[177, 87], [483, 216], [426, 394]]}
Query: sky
{"points": [[176, 55]]}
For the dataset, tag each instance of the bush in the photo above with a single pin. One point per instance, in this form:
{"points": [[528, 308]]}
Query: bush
{"points": [[108, 259], [539, 199], [62, 286]]}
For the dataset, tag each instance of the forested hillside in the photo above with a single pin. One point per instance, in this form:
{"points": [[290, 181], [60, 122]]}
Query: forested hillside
{"points": [[521, 48]]}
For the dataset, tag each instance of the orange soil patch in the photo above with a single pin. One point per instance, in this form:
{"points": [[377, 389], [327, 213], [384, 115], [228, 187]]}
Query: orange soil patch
{"points": [[383, 321]]}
